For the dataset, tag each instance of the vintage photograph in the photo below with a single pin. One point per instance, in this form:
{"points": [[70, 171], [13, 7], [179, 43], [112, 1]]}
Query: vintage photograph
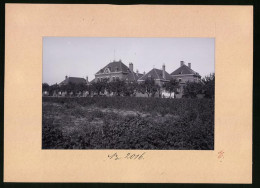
{"points": [[128, 93]]}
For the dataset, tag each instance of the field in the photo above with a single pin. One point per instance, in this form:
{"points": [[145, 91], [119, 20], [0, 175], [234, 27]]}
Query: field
{"points": [[127, 123]]}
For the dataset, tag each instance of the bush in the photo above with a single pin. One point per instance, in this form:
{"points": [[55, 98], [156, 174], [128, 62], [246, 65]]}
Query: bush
{"points": [[172, 124]]}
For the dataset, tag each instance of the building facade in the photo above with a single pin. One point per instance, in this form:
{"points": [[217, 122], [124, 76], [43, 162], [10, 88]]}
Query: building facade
{"points": [[185, 74], [117, 70], [159, 76], [74, 80]]}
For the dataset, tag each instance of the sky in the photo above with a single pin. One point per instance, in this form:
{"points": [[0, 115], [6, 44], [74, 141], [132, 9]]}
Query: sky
{"points": [[85, 56]]}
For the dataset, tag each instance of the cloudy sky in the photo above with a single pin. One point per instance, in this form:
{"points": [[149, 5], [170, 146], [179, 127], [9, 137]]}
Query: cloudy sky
{"points": [[84, 56]]}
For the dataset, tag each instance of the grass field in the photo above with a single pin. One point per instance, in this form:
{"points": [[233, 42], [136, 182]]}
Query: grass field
{"points": [[128, 123]]}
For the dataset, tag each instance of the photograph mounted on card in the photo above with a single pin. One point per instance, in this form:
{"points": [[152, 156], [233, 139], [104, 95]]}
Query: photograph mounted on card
{"points": [[144, 93], [155, 102]]}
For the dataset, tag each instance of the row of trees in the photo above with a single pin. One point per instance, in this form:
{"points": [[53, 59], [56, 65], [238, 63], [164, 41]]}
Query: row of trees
{"points": [[149, 87], [117, 87], [206, 87]]}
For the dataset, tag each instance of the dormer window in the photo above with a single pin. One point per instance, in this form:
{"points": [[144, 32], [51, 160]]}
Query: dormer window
{"points": [[117, 69], [107, 70]]}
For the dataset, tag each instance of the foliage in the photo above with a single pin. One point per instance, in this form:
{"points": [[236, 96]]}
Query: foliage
{"points": [[99, 86], [53, 88], [82, 123], [117, 87], [120, 88], [206, 86], [209, 85], [130, 89], [192, 89], [45, 87], [149, 87], [171, 86]]}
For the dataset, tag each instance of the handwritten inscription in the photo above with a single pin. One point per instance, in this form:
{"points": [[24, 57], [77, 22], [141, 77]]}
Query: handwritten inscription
{"points": [[127, 156], [221, 155]]}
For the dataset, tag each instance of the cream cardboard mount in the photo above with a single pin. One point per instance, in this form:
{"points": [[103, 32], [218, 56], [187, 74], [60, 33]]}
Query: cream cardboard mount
{"points": [[229, 162]]}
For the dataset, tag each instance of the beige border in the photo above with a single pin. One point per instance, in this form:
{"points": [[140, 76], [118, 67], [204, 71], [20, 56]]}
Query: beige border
{"points": [[232, 28]]}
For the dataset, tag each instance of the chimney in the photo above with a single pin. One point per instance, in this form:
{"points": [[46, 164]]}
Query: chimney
{"points": [[87, 79], [163, 71], [137, 72], [182, 63], [66, 77], [144, 72], [131, 67]]}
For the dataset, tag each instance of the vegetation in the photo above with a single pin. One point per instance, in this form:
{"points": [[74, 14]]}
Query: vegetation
{"points": [[172, 86], [120, 88], [128, 123], [209, 85], [206, 87]]}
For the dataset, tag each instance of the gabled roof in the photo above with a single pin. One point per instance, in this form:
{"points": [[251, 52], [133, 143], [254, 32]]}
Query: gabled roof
{"points": [[132, 76], [184, 69], [115, 66], [73, 80], [155, 74], [92, 81]]}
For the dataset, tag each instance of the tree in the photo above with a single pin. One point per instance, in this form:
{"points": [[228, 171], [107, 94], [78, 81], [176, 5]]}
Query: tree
{"points": [[192, 89], [209, 85], [149, 87], [205, 86], [130, 89], [45, 87], [171, 86], [54, 88], [63, 88], [71, 87], [80, 87], [117, 87], [89, 89], [99, 86]]}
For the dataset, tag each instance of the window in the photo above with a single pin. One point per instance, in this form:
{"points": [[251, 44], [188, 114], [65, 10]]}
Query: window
{"points": [[117, 78], [179, 79], [114, 78], [106, 70]]}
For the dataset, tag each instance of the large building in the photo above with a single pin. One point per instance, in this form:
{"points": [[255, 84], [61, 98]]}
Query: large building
{"points": [[74, 80], [185, 74], [117, 70], [160, 76]]}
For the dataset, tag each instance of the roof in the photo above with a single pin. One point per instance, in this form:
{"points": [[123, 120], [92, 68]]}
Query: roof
{"points": [[92, 81], [73, 80], [132, 76], [184, 69], [156, 74], [115, 66]]}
